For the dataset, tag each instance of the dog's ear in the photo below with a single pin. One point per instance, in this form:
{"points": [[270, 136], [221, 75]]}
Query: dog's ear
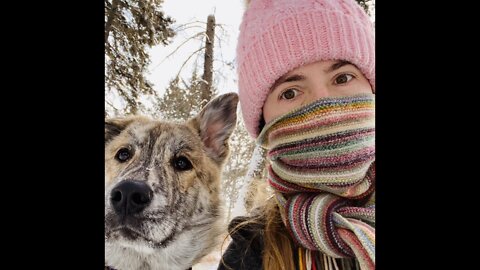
{"points": [[215, 124], [115, 126]]}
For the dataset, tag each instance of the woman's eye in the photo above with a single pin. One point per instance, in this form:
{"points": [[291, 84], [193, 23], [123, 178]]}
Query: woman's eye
{"points": [[343, 78], [289, 94]]}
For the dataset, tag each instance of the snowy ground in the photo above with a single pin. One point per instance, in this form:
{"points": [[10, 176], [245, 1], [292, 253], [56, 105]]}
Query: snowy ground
{"points": [[205, 266]]}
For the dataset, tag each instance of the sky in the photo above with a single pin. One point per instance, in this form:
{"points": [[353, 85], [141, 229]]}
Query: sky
{"points": [[227, 13]]}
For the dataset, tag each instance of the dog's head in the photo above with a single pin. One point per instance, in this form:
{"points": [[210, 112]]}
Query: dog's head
{"points": [[162, 185]]}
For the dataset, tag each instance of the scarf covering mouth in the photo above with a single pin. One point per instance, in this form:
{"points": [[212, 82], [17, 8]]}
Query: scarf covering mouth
{"points": [[322, 168]]}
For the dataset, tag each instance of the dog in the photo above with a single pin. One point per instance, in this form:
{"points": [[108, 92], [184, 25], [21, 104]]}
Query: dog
{"points": [[163, 208]]}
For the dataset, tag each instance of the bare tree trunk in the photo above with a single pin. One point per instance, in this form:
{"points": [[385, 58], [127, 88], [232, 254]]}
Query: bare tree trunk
{"points": [[208, 63], [110, 18]]}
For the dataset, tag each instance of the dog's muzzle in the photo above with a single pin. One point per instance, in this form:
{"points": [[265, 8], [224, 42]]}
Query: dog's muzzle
{"points": [[129, 198]]}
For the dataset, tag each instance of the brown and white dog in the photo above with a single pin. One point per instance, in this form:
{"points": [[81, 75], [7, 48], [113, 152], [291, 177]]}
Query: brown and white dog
{"points": [[162, 187]]}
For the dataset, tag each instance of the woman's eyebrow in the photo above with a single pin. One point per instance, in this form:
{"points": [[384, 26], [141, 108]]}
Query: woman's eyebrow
{"points": [[290, 78], [337, 65]]}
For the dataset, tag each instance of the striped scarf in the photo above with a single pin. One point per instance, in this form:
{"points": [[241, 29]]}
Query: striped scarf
{"points": [[322, 167]]}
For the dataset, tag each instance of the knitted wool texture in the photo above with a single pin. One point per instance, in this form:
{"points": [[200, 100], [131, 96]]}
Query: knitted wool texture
{"points": [[277, 36], [321, 165]]}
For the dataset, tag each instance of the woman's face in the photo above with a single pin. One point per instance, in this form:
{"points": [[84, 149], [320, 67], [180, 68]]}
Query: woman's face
{"points": [[311, 82]]}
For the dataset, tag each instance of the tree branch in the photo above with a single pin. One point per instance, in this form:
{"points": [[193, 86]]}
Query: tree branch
{"points": [[178, 47], [185, 24], [184, 63], [111, 17]]}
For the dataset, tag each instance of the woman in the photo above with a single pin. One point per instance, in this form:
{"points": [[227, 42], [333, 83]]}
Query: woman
{"points": [[306, 85]]}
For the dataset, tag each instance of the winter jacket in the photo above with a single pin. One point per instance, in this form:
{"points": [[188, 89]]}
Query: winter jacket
{"points": [[245, 250]]}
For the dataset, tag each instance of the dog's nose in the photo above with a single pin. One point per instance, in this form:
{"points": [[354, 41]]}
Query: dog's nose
{"points": [[130, 197]]}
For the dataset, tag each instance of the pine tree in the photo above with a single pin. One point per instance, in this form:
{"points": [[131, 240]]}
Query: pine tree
{"points": [[132, 27], [182, 100], [365, 4]]}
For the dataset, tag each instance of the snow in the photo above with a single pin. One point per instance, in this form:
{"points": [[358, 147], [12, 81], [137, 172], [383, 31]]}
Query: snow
{"points": [[257, 158]]}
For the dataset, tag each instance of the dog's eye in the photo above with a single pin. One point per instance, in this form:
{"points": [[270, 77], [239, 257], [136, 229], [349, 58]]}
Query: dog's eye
{"points": [[181, 163], [123, 154]]}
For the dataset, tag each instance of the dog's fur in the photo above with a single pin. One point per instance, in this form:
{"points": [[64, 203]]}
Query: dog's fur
{"points": [[182, 222]]}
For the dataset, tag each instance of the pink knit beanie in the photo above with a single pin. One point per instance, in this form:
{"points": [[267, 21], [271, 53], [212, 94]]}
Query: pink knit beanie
{"points": [[277, 36]]}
